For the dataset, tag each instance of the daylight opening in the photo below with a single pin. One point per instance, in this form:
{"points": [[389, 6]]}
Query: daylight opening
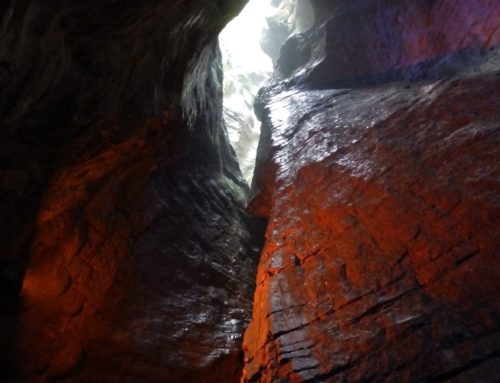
{"points": [[250, 46], [246, 67]]}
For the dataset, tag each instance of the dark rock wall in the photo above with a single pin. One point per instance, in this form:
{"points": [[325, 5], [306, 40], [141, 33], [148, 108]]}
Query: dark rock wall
{"points": [[366, 42], [120, 193], [380, 262]]}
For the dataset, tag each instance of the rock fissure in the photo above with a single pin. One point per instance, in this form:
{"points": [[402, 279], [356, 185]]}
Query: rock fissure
{"points": [[128, 248], [447, 376]]}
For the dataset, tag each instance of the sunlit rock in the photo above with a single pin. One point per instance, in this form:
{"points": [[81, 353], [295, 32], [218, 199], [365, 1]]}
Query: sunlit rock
{"points": [[246, 67], [250, 45], [288, 17]]}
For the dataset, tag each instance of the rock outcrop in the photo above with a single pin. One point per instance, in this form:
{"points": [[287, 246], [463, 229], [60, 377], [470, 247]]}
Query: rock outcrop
{"points": [[379, 170], [121, 195], [288, 17]]}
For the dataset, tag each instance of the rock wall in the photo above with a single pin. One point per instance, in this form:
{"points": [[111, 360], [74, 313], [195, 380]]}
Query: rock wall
{"points": [[121, 195], [289, 17], [366, 42], [262, 28], [383, 199]]}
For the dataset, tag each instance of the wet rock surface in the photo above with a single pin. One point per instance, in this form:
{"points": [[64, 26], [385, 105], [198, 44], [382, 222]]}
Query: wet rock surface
{"points": [[125, 250], [383, 205], [289, 17], [368, 42], [262, 28]]}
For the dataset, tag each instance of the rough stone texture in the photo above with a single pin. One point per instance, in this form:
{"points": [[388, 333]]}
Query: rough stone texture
{"points": [[289, 17], [365, 42], [121, 192], [380, 262], [265, 27]]}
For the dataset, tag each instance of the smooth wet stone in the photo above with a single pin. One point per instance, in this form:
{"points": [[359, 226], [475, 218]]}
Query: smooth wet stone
{"points": [[383, 202], [125, 251]]}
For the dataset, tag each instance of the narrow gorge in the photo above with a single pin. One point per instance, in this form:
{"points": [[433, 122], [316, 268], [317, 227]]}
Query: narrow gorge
{"points": [[365, 249]]}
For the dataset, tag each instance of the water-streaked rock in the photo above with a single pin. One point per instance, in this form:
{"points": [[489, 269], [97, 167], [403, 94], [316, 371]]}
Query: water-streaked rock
{"points": [[383, 200]]}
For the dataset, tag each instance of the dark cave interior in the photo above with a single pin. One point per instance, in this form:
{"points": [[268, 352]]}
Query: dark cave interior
{"points": [[365, 250]]}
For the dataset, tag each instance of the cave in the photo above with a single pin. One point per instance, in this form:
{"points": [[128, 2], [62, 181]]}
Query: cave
{"points": [[136, 245]]}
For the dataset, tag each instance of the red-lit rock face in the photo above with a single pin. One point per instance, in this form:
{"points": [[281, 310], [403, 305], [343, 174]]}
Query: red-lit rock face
{"points": [[130, 276], [121, 193], [380, 253], [380, 256]]}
